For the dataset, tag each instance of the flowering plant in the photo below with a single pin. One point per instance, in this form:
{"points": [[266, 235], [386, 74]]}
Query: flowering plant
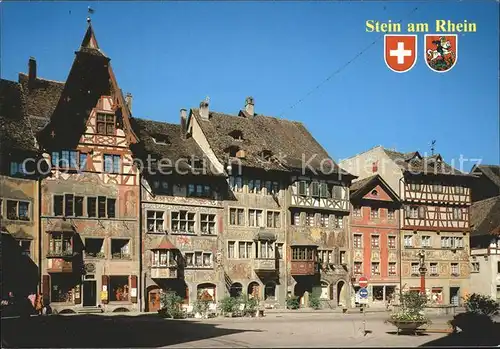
{"points": [[412, 309]]}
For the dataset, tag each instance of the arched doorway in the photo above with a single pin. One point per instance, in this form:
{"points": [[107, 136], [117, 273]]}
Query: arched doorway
{"points": [[253, 290], [154, 303], [207, 291], [270, 291], [341, 293], [325, 290], [299, 290], [235, 290]]}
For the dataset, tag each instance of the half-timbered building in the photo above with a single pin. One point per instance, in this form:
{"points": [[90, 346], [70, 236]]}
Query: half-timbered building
{"points": [[375, 238], [182, 214], [89, 199], [283, 215], [434, 218]]}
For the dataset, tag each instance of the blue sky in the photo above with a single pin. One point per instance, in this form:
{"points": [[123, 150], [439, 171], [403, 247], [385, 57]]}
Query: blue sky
{"points": [[171, 55]]}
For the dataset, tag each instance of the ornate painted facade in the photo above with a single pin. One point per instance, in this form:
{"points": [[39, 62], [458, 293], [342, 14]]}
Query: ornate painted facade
{"points": [[434, 218], [375, 239], [90, 195]]}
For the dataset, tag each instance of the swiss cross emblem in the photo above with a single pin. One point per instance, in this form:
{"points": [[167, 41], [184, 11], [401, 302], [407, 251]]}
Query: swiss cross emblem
{"points": [[400, 52]]}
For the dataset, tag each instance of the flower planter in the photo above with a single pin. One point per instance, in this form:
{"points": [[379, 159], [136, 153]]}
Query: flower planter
{"points": [[407, 325]]}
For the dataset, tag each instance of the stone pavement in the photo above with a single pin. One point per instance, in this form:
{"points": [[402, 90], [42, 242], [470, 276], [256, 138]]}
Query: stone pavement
{"points": [[308, 330]]}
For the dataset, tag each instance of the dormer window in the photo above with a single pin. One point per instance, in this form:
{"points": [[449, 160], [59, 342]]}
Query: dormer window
{"points": [[265, 155], [161, 139], [105, 124], [233, 151], [236, 135], [196, 164]]}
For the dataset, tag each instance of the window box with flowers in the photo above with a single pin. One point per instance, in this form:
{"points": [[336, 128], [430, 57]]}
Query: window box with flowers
{"points": [[63, 253], [119, 255]]}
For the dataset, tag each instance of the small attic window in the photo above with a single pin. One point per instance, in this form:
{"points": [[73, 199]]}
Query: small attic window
{"points": [[237, 135], [233, 151], [196, 164], [374, 193], [161, 139], [265, 155]]}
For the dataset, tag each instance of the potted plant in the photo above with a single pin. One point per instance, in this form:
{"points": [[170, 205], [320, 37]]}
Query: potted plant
{"points": [[314, 302], [228, 306], [251, 306], [171, 305], [292, 302], [202, 305], [410, 316]]}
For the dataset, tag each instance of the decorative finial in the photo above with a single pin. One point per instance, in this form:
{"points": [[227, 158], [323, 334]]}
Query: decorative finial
{"points": [[433, 143], [90, 10]]}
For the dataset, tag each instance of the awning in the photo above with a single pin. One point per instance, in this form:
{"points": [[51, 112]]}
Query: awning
{"points": [[303, 242], [265, 236], [61, 226]]}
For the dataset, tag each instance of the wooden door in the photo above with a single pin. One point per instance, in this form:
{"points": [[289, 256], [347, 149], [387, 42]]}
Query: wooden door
{"points": [[154, 300]]}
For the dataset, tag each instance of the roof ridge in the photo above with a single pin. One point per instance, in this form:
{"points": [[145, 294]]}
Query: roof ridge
{"points": [[151, 120], [363, 152], [488, 199], [44, 79]]}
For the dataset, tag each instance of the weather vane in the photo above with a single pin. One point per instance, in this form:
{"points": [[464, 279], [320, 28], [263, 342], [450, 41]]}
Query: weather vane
{"points": [[90, 11], [433, 144]]}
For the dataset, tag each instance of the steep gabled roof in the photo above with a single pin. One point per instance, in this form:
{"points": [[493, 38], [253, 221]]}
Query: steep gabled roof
{"points": [[15, 129], [485, 217], [415, 163], [289, 143], [90, 78], [492, 172], [359, 188], [41, 97], [163, 141]]}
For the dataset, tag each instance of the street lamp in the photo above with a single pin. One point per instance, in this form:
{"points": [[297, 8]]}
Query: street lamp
{"points": [[422, 271]]}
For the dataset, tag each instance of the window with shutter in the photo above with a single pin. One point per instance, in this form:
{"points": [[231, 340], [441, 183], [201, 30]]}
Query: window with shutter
{"points": [[314, 189], [302, 188]]}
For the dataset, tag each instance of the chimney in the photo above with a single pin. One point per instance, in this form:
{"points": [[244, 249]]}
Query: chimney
{"points": [[128, 101], [31, 70], [183, 123], [249, 106], [204, 110]]}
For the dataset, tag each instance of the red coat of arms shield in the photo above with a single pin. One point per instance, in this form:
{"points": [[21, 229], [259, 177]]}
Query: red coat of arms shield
{"points": [[441, 52], [400, 52]]}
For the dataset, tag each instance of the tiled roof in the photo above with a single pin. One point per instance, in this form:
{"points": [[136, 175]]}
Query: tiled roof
{"points": [[362, 186], [15, 129], [41, 96], [165, 244], [163, 141], [414, 163], [289, 143], [490, 171], [361, 183], [485, 216]]}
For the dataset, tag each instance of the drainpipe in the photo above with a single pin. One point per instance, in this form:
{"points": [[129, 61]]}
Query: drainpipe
{"points": [[287, 243], [400, 245], [40, 240]]}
